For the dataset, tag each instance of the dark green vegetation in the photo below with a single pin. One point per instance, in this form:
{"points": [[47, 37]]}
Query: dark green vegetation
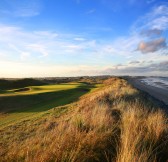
{"points": [[20, 83]]}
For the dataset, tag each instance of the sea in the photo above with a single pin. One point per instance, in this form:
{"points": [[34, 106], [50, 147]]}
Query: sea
{"points": [[160, 82]]}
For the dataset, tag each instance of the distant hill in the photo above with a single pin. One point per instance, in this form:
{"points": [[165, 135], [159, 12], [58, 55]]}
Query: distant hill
{"points": [[20, 83]]}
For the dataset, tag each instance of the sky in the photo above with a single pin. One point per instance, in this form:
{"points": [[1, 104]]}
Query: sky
{"points": [[55, 38]]}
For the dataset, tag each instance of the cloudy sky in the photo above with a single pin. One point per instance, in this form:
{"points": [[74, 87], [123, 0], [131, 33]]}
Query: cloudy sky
{"points": [[40, 38]]}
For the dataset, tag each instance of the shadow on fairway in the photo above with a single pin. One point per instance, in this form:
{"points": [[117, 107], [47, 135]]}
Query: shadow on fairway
{"points": [[43, 101]]}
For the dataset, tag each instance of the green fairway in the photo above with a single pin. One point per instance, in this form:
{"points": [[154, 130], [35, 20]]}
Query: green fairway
{"points": [[17, 104], [38, 89]]}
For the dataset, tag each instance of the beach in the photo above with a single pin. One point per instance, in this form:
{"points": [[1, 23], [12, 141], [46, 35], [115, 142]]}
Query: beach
{"points": [[155, 86]]}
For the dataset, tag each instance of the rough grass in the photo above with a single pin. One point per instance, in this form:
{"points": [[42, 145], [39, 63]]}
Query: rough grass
{"points": [[113, 123], [19, 83]]}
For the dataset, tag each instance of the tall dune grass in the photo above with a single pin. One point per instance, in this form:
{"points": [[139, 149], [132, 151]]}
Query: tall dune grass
{"points": [[115, 123]]}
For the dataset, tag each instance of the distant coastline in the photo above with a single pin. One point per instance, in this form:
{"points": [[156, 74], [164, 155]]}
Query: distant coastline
{"points": [[160, 82]]}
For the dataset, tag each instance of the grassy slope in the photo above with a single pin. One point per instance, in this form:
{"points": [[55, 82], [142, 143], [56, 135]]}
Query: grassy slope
{"points": [[20, 105], [113, 123], [20, 83]]}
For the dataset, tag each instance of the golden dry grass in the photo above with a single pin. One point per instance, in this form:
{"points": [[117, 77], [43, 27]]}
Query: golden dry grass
{"points": [[114, 123]]}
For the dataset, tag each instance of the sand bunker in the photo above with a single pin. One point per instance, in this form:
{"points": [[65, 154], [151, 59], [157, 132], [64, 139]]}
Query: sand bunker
{"points": [[22, 90]]}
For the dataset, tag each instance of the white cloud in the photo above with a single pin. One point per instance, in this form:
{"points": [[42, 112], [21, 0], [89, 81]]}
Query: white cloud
{"points": [[79, 39], [151, 32], [72, 48], [134, 62], [32, 46], [159, 69], [152, 46], [152, 24], [160, 23], [38, 48], [23, 55], [16, 40], [46, 34], [156, 19]]}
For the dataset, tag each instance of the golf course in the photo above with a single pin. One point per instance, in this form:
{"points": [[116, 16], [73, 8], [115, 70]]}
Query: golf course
{"points": [[30, 101]]}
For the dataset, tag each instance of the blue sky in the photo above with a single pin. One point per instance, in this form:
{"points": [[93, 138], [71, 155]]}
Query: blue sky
{"points": [[40, 38]]}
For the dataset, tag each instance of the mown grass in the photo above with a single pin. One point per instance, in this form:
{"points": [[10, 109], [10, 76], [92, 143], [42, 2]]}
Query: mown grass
{"points": [[15, 105], [113, 123], [30, 90]]}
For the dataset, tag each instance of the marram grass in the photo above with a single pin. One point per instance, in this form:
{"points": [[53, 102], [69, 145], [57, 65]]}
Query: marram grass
{"points": [[113, 123]]}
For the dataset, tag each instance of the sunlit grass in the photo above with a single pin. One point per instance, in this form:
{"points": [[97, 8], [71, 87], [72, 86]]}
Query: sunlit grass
{"points": [[39, 89], [20, 105]]}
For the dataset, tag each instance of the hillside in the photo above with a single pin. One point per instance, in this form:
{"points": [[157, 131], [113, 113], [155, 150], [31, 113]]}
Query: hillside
{"points": [[112, 122], [19, 83]]}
